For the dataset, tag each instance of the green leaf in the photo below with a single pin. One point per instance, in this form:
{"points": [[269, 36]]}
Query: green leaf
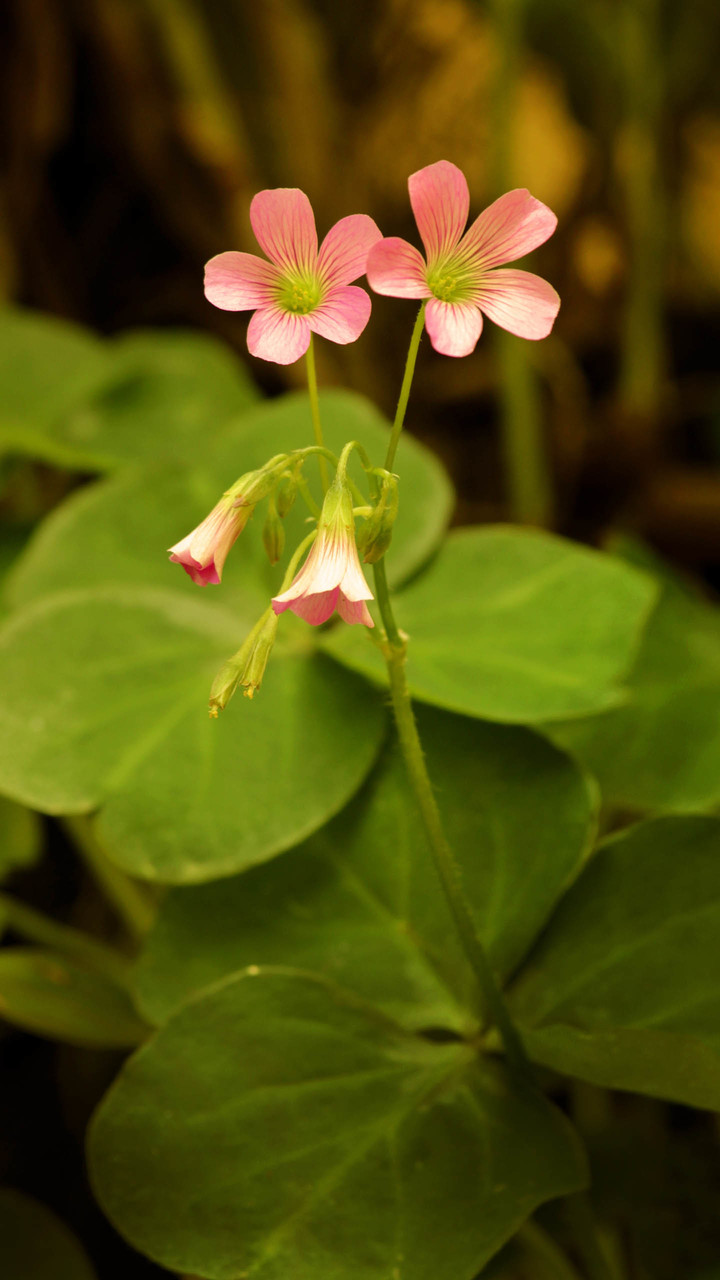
{"points": [[639, 751], [20, 837], [35, 1244], [74, 400], [103, 700], [378, 924], [513, 625], [53, 996], [172, 393], [624, 987], [119, 530], [305, 1135], [48, 368]]}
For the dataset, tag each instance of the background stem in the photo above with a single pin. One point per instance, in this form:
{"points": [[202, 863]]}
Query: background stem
{"points": [[36, 927], [523, 440], [133, 905]]}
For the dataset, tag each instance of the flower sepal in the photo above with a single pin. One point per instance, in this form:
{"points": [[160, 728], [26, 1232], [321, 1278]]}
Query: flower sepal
{"points": [[375, 535], [247, 667]]}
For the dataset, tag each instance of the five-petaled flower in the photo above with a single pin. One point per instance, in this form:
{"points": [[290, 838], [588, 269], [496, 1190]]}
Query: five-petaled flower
{"points": [[203, 552], [463, 275], [331, 577], [301, 289]]}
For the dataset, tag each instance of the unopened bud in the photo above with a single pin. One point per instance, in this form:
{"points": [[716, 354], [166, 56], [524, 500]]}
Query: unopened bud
{"points": [[376, 535], [247, 666], [255, 667], [273, 535], [285, 494]]}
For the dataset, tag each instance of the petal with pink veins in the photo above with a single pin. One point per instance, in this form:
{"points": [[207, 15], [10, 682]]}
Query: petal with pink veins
{"points": [[278, 335], [509, 228], [343, 314], [454, 327], [519, 301], [314, 608], [440, 200], [344, 251], [202, 575], [397, 269], [284, 226], [239, 281], [354, 611]]}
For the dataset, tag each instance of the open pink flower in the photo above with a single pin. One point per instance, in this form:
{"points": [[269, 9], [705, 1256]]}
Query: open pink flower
{"points": [[203, 552], [300, 289], [463, 275], [331, 577]]}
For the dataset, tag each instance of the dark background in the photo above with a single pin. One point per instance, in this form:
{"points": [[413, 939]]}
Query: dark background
{"points": [[134, 134]]}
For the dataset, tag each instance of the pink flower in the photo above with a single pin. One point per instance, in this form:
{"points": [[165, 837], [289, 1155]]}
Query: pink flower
{"points": [[463, 274], [300, 289], [331, 577], [202, 553]]}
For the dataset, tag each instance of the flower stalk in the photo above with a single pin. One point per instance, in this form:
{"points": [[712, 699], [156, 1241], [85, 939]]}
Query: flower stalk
{"points": [[491, 1006], [315, 412]]}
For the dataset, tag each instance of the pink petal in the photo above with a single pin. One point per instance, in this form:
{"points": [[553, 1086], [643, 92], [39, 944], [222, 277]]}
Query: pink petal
{"points": [[440, 200], [314, 608], [202, 576], [343, 252], [343, 314], [397, 269], [353, 585], [353, 611], [239, 281], [519, 301], [284, 225], [509, 228], [454, 327], [278, 335]]}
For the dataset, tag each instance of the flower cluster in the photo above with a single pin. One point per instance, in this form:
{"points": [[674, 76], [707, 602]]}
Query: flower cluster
{"points": [[299, 289]]}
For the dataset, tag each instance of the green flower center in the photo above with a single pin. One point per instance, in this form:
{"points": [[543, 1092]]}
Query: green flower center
{"points": [[299, 294], [449, 281]]}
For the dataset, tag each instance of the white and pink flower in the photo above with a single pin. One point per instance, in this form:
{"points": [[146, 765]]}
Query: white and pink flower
{"points": [[331, 577], [463, 275], [203, 552], [300, 289]]}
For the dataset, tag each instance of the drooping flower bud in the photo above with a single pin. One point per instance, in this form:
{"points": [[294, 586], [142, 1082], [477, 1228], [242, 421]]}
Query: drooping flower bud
{"points": [[203, 552], [331, 577]]}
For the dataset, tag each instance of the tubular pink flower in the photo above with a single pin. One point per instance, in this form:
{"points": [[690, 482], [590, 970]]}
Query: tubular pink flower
{"points": [[203, 552], [331, 577], [300, 289], [459, 274]]}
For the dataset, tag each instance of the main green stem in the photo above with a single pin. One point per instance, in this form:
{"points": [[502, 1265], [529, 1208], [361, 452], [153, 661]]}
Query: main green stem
{"points": [[491, 1004], [315, 412]]}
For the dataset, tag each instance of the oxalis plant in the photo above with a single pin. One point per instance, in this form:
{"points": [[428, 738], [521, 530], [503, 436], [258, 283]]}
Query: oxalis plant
{"points": [[395, 949]]}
